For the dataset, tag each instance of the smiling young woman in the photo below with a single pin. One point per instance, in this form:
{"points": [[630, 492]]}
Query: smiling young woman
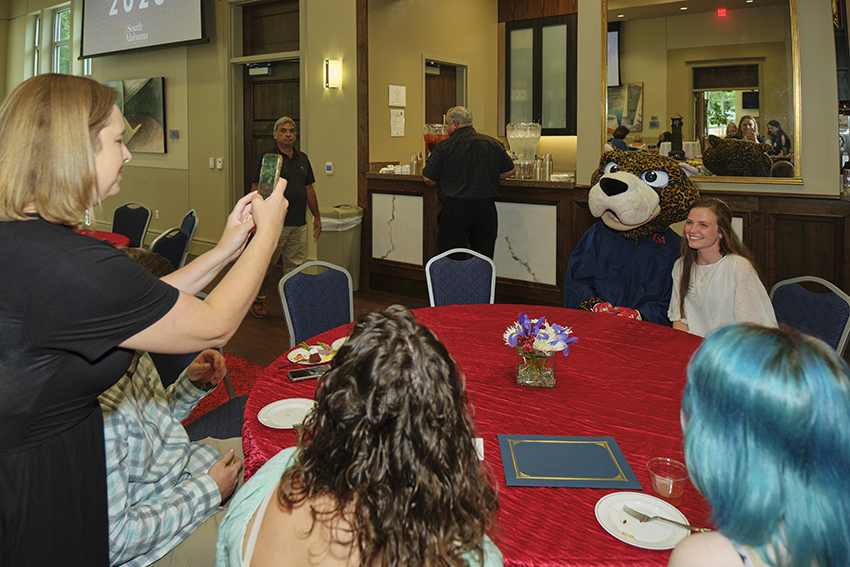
{"points": [[715, 281]]}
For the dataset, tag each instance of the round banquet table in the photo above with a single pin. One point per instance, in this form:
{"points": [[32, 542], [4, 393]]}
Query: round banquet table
{"points": [[113, 238], [623, 378]]}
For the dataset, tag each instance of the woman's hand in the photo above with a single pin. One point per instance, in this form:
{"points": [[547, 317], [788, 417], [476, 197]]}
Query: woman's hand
{"points": [[269, 213], [208, 367]]}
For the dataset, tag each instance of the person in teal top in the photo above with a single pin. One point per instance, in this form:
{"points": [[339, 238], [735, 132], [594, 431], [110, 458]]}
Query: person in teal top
{"points": [[385, 472]]}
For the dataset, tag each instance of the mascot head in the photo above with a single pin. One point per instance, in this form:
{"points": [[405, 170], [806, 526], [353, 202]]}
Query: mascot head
{"points": [[730, 157], [638, 193]]}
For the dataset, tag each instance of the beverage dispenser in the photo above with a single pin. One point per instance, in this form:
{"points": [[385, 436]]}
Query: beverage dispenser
{"points": [[523, 138]]}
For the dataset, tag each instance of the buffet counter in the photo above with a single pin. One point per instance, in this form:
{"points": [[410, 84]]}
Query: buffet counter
{"points": [[540, 222]]}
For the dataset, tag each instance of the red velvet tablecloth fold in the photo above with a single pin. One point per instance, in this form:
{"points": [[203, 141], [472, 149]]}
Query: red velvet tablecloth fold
{"points": [[623, 378]]}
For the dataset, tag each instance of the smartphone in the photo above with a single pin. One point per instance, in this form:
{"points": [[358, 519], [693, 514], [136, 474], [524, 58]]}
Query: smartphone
{"points": [[269, 174], [307, 373]]}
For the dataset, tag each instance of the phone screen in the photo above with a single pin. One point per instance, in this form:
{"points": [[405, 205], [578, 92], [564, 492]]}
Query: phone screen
{"points": [[269, 174]]}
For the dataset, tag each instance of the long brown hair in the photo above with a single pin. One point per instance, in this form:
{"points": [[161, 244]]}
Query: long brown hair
{"points": [[391, 442], [49, 128], [729, 243]]}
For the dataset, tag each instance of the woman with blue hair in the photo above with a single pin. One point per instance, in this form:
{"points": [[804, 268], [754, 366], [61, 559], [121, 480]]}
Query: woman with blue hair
{"points": [[766, 417]]}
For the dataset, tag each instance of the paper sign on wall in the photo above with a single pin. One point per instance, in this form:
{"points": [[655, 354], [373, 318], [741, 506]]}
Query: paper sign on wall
{"points": [[396, 123]]}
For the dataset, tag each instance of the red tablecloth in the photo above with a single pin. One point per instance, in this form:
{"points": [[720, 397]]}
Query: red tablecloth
{"points": [[113, 238], [623, 378]]}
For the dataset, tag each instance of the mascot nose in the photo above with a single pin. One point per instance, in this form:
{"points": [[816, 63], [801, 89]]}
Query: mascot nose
{"points": [[611, 186]]}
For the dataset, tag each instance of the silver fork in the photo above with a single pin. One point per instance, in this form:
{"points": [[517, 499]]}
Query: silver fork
{"points": [[644, 518]]}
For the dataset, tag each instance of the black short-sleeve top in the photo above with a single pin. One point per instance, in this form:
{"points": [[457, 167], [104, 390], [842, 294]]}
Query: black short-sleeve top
{"points": [[66, 302]]}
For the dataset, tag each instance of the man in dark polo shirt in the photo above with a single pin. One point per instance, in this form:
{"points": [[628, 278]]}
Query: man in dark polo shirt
{"points": [[298, 173], [467, 167]]}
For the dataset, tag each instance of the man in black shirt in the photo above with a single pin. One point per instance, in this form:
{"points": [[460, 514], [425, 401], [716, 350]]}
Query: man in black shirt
{"points": [[297, 171], [468, 167]]}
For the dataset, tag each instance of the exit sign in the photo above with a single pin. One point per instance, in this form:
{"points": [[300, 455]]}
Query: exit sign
{"points": [[721, 12]]}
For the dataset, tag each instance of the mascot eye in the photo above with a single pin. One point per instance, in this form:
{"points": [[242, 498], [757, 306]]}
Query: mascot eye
{"points": [[657, 179], [611, 168]]}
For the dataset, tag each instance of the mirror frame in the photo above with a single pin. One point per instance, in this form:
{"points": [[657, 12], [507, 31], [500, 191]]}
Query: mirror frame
{"points": [[795, 79]]}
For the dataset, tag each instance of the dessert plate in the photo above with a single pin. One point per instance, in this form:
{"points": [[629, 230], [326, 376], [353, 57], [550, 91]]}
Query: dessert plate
{"points": [[648, 535], [301, 355], [283, 414]]}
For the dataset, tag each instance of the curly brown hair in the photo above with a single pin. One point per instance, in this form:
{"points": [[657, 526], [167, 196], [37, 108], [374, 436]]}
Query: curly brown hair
{"points": [[391, 442]]}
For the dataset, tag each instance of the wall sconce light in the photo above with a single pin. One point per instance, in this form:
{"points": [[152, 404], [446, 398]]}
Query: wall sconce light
{"points": [[333, 73]]}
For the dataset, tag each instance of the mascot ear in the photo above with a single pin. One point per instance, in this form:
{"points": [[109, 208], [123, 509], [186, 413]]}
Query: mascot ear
{"points": [[688, 169]]}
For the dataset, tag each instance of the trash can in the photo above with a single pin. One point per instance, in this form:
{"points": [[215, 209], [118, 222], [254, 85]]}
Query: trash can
{"points": [[339, 242]]}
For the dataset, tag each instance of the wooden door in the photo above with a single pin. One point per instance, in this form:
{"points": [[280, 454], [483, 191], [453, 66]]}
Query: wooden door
{"points": [[267, 98], [269, 27], [440, 93]]}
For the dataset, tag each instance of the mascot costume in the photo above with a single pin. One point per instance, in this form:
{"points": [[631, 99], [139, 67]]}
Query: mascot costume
{"points": [[623, 264]]}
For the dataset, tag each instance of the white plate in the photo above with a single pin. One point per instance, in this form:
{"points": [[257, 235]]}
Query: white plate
{"points": [[304, 352], [283, 414], [648, 535]]}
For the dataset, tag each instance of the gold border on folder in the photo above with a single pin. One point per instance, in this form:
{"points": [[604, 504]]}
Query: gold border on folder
{"points": [[521, 475]]}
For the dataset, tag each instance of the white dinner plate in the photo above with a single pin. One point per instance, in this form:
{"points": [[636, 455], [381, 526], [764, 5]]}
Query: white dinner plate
{"points": [[294, 354], [283, 414], [648, 535]]}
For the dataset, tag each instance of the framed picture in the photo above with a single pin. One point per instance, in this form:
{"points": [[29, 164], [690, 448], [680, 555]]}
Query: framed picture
{"points": [[142, 102], [625, 107]]}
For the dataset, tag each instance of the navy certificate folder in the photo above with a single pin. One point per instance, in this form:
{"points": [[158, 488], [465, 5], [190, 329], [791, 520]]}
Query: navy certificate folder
{"points": [[577, 462]]}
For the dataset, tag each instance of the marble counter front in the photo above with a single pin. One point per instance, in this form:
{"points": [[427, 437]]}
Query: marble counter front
{"points": [[533, 241]]}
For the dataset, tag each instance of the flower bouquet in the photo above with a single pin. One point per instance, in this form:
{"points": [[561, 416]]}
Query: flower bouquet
{"points": [[536, 343]]}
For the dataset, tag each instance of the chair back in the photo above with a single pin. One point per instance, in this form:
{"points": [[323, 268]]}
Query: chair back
{"points": [[132, 220], [172, 244], [316, 303], [460, 282], [223, 422], [190, 225], [825, 316]]}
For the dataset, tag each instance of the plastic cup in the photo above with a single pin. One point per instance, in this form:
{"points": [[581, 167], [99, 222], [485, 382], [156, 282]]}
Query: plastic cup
{"points": [[668, 479]]}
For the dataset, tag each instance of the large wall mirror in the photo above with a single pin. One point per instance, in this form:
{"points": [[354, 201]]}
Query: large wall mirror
{"points": [[711, 62]]}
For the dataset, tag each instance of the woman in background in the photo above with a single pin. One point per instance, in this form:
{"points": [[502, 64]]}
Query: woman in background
{"points": [[385, 473], [780, 140], [765, 415], [75, 309], [748, 129], [619, 139], [715, 281]]}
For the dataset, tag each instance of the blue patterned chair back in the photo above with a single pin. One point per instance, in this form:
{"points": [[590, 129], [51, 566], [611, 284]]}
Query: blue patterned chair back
{"points": [[317, 303], [460, 282], [172, 244], [223, 422], [170, 366], [132, 221], [825, 316], [190, 225]]}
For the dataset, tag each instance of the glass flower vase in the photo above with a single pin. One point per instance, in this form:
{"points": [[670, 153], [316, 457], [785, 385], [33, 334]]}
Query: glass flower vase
{"points": [[537, 369]]}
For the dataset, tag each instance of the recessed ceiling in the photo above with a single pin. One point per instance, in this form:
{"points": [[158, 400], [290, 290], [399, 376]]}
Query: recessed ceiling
{"points": [[645, 9]]}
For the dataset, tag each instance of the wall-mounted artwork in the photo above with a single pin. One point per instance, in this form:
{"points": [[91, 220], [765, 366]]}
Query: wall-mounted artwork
{"points": [[625, 107], [142, 102]]}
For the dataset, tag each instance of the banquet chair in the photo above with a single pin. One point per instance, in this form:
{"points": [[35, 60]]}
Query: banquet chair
{"points": [[169, 367], [825, 316], [132, 220], [190, 225], [460, 282], [316, 303], [172, 244], [222, 422]]}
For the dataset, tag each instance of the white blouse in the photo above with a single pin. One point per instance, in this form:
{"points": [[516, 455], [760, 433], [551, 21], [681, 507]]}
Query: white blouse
{"points": [[725, 292]]}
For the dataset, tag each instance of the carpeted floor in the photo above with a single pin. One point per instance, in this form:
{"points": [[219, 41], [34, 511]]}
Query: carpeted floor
{"points": [[243, 374]]}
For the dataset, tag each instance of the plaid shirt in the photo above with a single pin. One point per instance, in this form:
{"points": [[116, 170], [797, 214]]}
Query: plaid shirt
{"points": [[157, 484], [467, 165]]}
